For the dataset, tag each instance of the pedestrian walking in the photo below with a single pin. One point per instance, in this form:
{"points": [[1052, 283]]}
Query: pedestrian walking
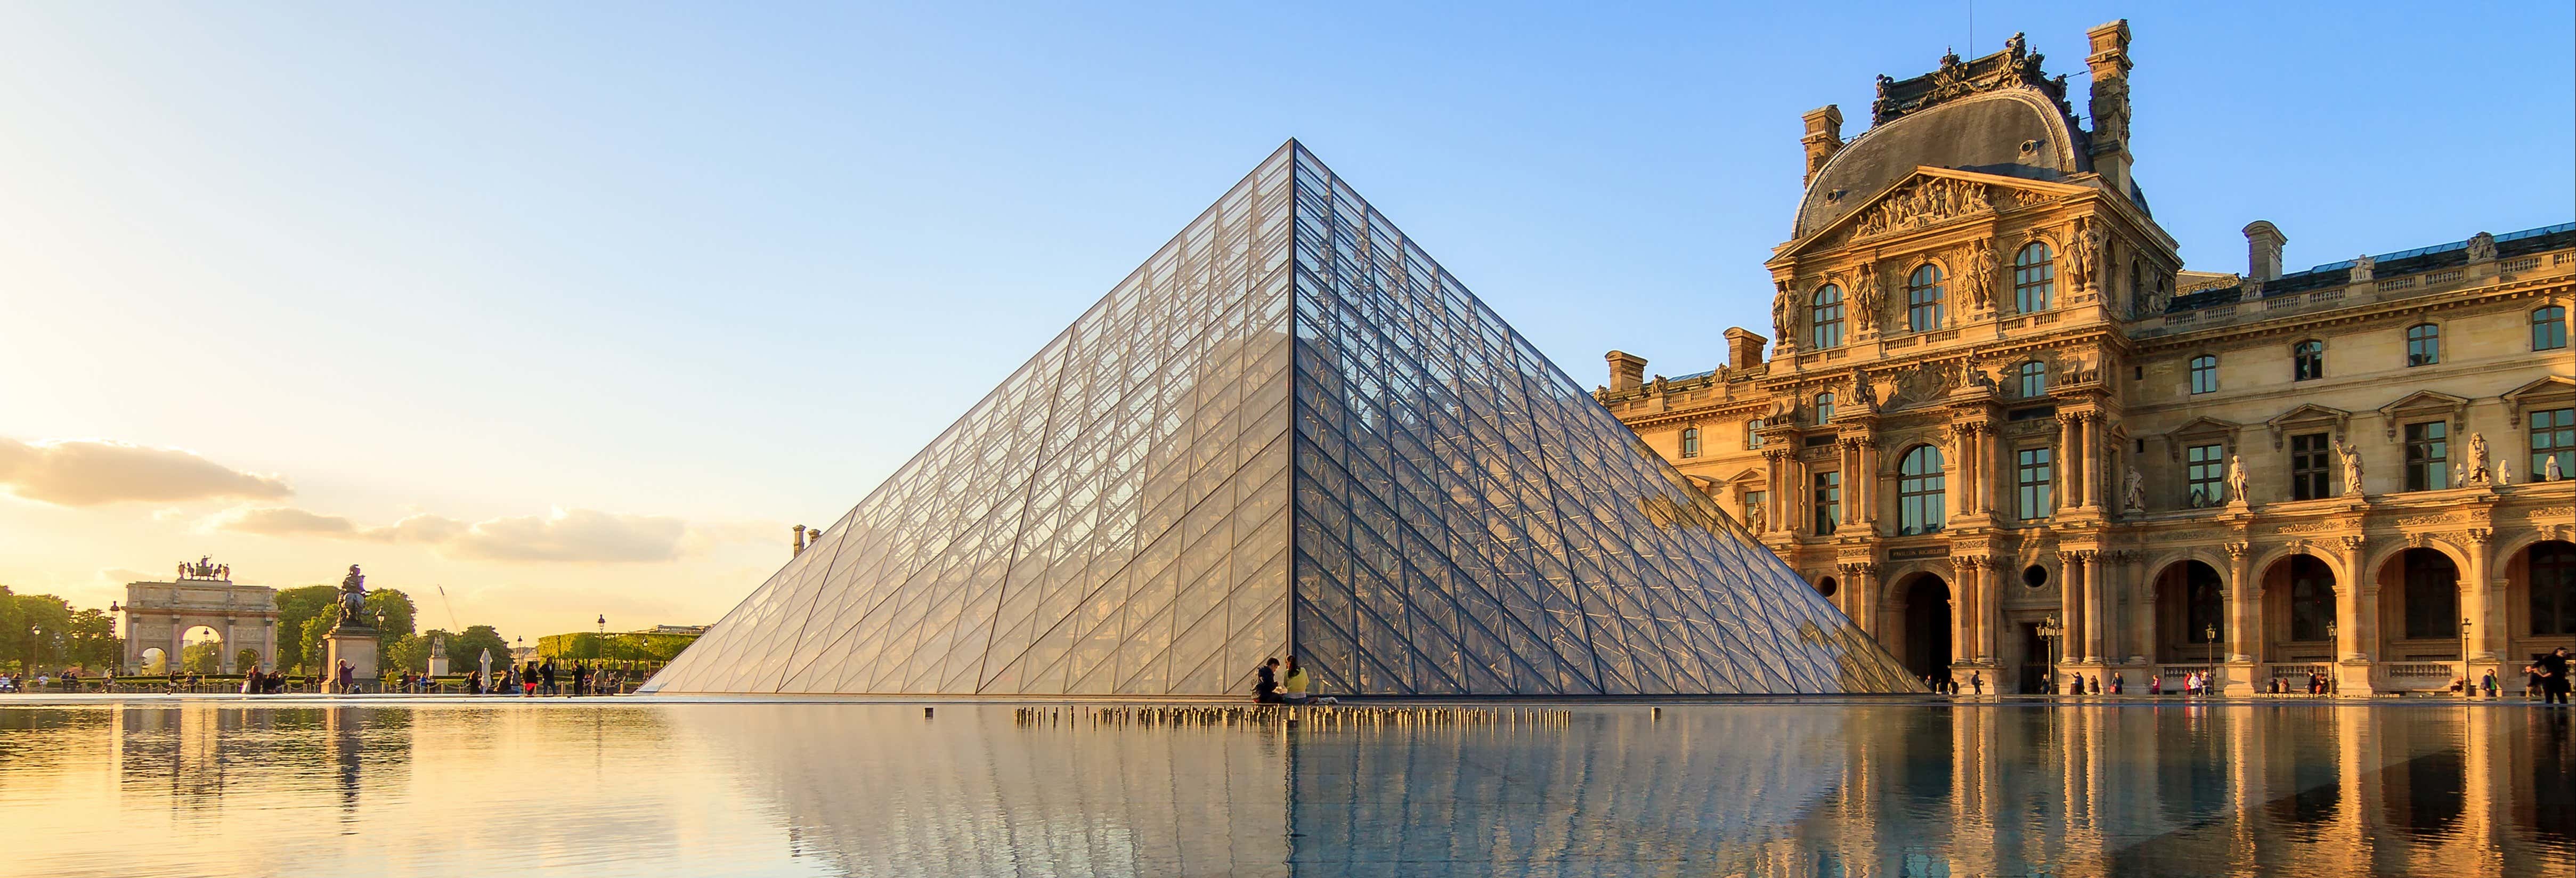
{"points": [[2552, 670]]}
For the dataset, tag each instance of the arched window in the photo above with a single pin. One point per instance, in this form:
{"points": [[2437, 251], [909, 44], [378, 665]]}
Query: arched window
{"points": [[1753, 433], [2204, 373], [2312, 598], [1919, 500], [1824, 409], [2204, 607], [1923, 298], [1690, 441], [1825, 317], [2034, 379], [2034, 278], [2432, 595], [2423, 344], [2553, 588], [2307, 360], [2548, 328]]}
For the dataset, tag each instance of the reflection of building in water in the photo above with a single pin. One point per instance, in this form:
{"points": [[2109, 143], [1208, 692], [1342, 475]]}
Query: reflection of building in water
{"points": [[2006, 430], [194, 752], [2219, 790]]}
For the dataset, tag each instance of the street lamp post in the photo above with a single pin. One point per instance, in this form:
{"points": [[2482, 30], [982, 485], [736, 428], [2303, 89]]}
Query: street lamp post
{"points": [[2468, 688], [2337, 652], [602, 651], [2050, 631]]}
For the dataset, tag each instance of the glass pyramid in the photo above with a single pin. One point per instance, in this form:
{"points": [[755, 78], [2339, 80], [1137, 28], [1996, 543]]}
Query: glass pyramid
{"points": [[1172, 491]]}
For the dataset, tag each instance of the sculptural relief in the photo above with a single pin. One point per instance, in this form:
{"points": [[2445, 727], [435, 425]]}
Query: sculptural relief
{"points": [[1923, 204]]}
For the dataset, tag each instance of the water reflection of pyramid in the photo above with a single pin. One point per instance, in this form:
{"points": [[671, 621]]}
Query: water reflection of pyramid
{"points": [[1132, 513]]}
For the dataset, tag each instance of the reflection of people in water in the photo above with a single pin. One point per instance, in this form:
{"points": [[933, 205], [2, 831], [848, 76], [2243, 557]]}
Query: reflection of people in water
{"points": [[2551, 670]]}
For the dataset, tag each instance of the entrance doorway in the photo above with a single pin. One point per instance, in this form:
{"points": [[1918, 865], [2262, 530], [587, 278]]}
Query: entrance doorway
{"points": [[2034, 659], [1927, 626]]}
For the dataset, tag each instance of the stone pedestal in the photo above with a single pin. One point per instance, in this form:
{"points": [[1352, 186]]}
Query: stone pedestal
{"points": [[358, 648], [438, 666]]}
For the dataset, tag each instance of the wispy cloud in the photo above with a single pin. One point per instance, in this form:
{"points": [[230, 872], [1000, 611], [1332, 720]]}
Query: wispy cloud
{"points": [[574, 535], [90, 473]]}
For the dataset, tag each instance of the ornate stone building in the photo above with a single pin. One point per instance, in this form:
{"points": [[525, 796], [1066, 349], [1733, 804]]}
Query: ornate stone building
{"points": [[2007, 431]]}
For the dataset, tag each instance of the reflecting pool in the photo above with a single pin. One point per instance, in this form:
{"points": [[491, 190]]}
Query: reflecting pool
{"points": [[639, 787]]}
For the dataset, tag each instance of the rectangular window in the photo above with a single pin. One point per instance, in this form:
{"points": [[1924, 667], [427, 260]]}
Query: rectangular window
{"points": [[2428, 456], [2206, 473], [2204, 374], [2035, 496], [1829, 502], [2310, 466], [1690, 442], [2553, 436]]}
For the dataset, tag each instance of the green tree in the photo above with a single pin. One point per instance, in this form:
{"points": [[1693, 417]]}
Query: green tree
{"points": [[93, 643], [409, 652], [39, 630], [202, 658], [465, 651], [309, 646], [396, 609], [297, 605]]}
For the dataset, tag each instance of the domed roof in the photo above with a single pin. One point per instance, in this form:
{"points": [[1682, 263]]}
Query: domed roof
{"points": [[2014, 131]]}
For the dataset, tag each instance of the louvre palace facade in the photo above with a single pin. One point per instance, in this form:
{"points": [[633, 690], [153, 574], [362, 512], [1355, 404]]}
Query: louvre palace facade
{"points": [[2004, 428]]}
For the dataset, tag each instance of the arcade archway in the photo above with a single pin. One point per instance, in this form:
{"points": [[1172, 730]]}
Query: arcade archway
{"points": [[1926, 641]]}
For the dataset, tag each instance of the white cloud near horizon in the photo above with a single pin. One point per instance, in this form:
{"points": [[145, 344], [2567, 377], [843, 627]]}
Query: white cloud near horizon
{"points": [[565, 535], [95, 473]]}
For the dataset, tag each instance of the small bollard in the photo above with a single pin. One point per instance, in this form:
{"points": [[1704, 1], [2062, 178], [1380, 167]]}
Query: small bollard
{"points": [[1658, 714]]}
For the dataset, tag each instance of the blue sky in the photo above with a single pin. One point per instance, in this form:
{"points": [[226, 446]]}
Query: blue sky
{"points": [[729, 265]]}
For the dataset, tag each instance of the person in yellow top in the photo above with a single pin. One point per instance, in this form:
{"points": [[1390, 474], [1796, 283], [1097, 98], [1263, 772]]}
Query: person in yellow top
{"points": [[1295, 683]]}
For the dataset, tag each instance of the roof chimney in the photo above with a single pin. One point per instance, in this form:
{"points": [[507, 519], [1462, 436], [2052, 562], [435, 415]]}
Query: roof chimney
{"points": [[2263, 250], [2110, 104], [1627, 371], [1743, 348], [1824, 137]]}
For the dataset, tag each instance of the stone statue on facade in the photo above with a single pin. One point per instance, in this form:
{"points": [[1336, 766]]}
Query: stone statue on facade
{"points": [[2504, 471], [2481, 247], [1867, 298], [2363, 268], [2236, 482], [2477, 459], [1784, 314], [2084, 251], [2549, 469], [2133, 491], [352, 601], [1981, 274], [1753, 517], [2351, 454]]}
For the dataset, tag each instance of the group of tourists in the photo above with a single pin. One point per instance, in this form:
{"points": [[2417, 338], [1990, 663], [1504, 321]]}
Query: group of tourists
{"points": [[2317, 683], [1942, 685], [1268, 687], [544, 678]]}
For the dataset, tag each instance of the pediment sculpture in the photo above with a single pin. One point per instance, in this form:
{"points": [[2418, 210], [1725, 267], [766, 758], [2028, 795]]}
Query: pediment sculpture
{"points": [[1923, 204]]}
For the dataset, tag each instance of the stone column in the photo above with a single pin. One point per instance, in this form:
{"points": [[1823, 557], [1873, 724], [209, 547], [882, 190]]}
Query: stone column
{"points": [[2070, 609], [178, 640], [2142, 605], [1963, 609], [2349, 645], [224, 653], [2096, 487], [2094, 653], [1870, 600], [2479, 601], [1990, 612], [2069, 485], [2240, 604]]}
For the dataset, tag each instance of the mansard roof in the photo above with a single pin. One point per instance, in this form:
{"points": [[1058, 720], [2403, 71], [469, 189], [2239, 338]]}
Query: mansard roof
{"points": [[1997, 114]]}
